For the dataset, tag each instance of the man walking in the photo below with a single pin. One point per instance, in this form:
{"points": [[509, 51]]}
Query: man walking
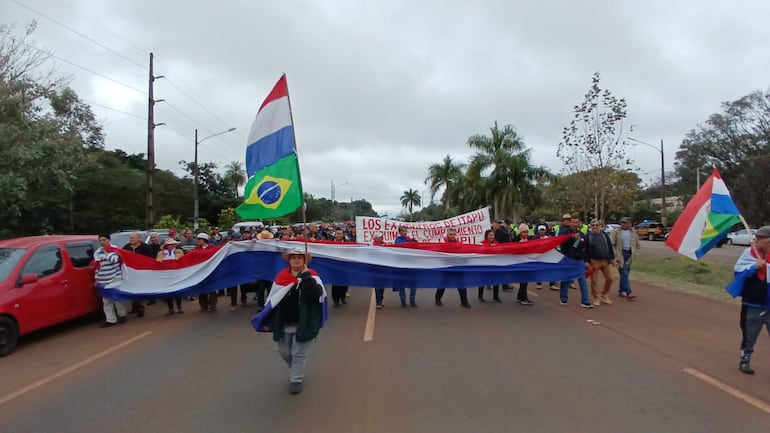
{"points": [[751, 284], [451, 238], [625, 242], [108, 272], [574, 248], [599, 254]]}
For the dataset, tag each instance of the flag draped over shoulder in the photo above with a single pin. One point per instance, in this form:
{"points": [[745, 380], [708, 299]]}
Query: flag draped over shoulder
{"points": [[706, 219], [274, 187], [283, 282], [744, 268]]}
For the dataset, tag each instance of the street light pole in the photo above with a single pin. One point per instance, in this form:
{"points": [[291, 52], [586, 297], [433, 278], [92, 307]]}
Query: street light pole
{"points": [[662, 178], [196, 172]]}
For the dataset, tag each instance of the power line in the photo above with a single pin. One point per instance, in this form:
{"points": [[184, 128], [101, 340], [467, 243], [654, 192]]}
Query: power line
{"points": [[200, 105], [81, 35], [120, 37], [48, 53], [114, 109]]}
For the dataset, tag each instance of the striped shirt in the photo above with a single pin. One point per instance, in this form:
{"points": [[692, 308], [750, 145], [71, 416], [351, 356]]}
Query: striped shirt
{"points": [[109, 267]]}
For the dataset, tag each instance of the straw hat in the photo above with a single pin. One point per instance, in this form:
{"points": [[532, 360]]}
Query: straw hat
{"points": [[170, 241], [297, 252]]}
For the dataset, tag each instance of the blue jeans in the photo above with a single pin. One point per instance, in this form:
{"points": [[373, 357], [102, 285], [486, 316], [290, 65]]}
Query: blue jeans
{"points": [[625, 269], [379, 294], [564, 291], [412, 294]]}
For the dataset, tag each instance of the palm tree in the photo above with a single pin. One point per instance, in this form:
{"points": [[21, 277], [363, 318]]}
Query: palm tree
{"points": [[506, 159], [447, 174], [410, 199], [235, 174]]}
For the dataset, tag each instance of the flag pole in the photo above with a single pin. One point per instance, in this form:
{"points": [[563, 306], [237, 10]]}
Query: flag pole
{"points": [[751, 235], [299, 173]]}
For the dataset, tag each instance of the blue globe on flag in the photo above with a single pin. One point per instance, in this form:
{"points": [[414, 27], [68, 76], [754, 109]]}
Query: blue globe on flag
{"points": [[269, 192]]}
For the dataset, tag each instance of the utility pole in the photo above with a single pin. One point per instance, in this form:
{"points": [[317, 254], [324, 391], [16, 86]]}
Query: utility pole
{"points": [[196, 174], [662, 186], [150, 151]]}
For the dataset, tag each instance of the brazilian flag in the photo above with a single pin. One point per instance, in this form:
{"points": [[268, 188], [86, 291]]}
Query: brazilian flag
{"points": [[273, 191]]}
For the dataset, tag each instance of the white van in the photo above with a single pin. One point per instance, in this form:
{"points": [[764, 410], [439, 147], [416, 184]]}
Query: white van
{"points": [[246, 225]]}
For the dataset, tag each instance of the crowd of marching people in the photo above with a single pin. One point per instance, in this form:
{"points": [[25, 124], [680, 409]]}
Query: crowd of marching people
{"points": [[587, 243]]}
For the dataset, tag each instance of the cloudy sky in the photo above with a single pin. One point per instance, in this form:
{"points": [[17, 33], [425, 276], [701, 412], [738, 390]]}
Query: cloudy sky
{"points": [[381, 90]]}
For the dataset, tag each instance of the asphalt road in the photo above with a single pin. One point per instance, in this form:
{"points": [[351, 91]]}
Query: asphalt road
{"points": [[664, 363]]}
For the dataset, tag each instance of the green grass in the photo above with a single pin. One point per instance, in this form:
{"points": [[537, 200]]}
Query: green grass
{"points": [[702, 277]]}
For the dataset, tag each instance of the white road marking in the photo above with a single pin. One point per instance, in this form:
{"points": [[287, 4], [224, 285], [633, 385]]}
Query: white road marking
{"points": [[759, 404], [38, 383], [369, 329]]}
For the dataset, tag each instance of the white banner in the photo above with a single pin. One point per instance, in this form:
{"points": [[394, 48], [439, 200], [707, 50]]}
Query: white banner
{"points": [[470, 228]]}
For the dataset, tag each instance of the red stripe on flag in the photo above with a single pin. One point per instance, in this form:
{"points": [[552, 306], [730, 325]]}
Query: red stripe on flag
{"points": [[685, 220], [279, 91]]}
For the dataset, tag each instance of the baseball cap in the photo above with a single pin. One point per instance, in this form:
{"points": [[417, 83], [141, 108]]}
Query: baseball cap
{"points": [[203, 236], [763, 232], [625, 220], [541, 228], [566, 216]]}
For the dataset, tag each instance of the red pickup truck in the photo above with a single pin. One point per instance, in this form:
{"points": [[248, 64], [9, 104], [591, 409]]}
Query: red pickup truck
{"points": [[44, 280]]}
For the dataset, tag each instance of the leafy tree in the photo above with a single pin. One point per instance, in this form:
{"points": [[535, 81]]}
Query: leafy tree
{"points": [[736, 141], [227, 218], [235, 175], [45, 131], [509, 180], [410, 199], [595, 140], [447, 175]]}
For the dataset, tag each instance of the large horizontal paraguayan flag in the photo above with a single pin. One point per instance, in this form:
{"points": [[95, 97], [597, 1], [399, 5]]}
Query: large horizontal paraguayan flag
{"points": [[744, 268], [705, 221], [273, 188], [419, 265]]}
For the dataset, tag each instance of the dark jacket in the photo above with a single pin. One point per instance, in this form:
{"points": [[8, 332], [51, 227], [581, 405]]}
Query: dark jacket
{"points": [[603, 237], [309, 311], [142, 249], [754, 292], [574, 248]]}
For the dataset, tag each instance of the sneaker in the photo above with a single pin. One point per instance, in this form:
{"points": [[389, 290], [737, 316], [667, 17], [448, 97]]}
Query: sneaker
{"points": [[347, 294], [413, 303], [562, 302], [180, 310], [745, 367], [622, 294], [233, 308], [605, 299], [589, 306], [403, 304], [631, 297], [379, 306], [439, 303], [465, 305], [554, 287], [169, 312], [597, 302], [295, 387], [539, 286], [525, 302], [121, 320], [107, 324], [498, 300]]}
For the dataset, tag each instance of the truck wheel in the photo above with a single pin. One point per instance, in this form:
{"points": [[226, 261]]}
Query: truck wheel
{"points": [[651, 237], [9, 335]]}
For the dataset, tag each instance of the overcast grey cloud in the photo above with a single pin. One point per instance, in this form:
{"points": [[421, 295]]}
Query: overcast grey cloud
{"points": [[380, 90]]}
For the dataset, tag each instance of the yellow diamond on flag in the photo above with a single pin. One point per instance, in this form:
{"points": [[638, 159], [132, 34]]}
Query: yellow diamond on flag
{"points": [[269, 192], [709, 231]]}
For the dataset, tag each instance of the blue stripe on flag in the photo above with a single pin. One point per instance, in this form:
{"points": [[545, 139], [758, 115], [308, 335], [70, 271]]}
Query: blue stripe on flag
{"points": [[721, 203], [269, 149]]}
